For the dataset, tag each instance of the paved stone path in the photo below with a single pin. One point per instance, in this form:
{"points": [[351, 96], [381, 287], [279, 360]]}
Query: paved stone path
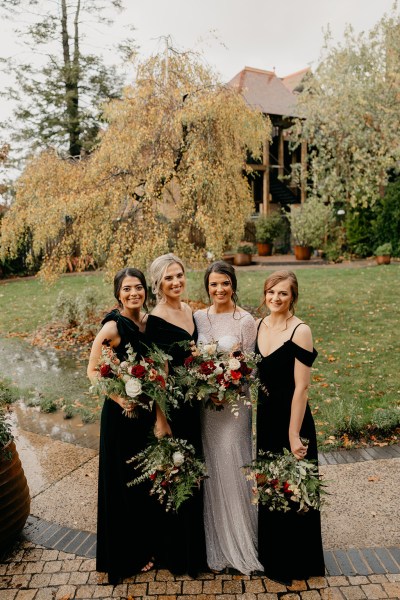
{"points": [[52, 562]]}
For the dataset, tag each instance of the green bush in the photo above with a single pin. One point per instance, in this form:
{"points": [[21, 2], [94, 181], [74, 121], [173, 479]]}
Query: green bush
{"points": [[310, 222], [387, 222], [268, 228], [385, 420], [74, 310], [383, 249], [245, 249], [360, 233]]}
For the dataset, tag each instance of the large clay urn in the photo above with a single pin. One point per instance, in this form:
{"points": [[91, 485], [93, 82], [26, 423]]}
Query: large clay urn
{"points": [[264, 249], [15, 501]]}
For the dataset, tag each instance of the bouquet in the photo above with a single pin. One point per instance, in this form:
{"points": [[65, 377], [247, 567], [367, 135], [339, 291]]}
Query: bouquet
{"points": [[140, 380], [172, 467], [209, 371], [284, 483]]}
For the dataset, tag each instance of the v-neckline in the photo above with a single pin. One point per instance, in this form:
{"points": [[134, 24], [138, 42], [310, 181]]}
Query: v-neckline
{"points": [[177, 326], [273, 352]]}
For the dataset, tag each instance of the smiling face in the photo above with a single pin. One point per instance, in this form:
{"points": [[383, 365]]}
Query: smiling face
{"points": [[173, 282], [278, 298], [132, 293], [220, 289]]}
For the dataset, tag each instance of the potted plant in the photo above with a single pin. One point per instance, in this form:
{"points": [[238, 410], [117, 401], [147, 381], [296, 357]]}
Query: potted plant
{"points": [[14, 491], [309, 225], [383, 253], [268, 228], [243, 255]]}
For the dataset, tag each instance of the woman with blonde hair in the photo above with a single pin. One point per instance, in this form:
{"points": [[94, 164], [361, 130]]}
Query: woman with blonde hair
{"points": [[182, 545], [289, 544]]}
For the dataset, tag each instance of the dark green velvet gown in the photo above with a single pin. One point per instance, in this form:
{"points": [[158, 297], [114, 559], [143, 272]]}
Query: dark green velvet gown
{"points": [[289, 544], [125, 519], [181, 537]]}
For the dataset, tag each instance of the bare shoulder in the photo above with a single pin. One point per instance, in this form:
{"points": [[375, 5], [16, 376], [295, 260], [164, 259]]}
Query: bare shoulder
{"points": [[303, 336], [159, 311], [186, 307]]}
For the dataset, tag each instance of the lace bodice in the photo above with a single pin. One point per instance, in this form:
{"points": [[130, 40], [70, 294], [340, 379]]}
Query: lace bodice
{"points": [[230, 330]]}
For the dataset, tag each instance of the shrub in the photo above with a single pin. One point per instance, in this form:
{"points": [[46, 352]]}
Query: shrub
{"points": [[245, 249], [387, 220], [385, 420], [268, 228], [383, 249], [74, 310], [310, 222], [360, 233]]}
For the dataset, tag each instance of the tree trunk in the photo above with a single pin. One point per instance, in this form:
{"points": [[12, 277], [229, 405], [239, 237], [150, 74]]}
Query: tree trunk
{"points": [[71, 78]]}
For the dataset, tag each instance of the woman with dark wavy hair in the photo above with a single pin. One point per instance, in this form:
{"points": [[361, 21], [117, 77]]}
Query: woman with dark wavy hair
{"points": [[125, 518], [230, 519]]}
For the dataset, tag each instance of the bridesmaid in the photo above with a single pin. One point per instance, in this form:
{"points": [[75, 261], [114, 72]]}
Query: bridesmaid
{"points": [[182, 547], [290, 545], [125, 518], [230, 518]]}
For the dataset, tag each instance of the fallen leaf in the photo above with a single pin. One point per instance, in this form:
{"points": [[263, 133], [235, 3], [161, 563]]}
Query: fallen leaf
{"points": [[373, 478]]}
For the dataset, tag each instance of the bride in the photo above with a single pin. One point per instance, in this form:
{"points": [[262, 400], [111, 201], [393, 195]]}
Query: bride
{"points": [[230, 519]]}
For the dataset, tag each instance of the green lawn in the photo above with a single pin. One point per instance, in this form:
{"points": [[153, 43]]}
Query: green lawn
{"points": [[354, 314]]}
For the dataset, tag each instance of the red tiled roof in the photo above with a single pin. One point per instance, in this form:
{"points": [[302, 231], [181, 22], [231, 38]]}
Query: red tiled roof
{"points": [[264, 91], [294, 79]]}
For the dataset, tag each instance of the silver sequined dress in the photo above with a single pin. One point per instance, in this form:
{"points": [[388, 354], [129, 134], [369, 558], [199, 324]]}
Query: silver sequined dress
{"points": [[230, 519]]}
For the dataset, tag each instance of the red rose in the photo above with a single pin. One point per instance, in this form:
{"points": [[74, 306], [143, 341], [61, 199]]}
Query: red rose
{"points": [[138, 371], [244, 369], [164, 483], [149, 360], [188, 361], [237, 354], [286, 489], [105, 371], [161, 379], [153, 476], [274, 483], [207, 367], [222, 381], [236, 375], [261, 479]]}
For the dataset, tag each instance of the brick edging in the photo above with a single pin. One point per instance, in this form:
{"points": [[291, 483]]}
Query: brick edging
{"points": [[350, 562]]}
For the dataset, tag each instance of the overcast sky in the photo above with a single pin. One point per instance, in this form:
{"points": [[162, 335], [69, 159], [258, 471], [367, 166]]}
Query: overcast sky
{"points": [[283, 34]]}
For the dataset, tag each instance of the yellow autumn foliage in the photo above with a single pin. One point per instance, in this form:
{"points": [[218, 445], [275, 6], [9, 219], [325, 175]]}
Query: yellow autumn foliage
{"points": [[168, 173]]}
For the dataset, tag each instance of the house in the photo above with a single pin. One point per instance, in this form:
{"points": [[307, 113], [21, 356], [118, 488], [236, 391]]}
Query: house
{"points": [[279, 177]]}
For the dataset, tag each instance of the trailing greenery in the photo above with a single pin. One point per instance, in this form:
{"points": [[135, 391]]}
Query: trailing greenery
{"points": [[387, 220]]}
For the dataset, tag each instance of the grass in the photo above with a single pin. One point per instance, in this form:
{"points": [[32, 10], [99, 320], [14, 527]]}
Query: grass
{"points": [[354, 315]]}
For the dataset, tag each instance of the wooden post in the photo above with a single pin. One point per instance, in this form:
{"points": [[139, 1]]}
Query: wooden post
{"points": [[265, 208], [281, 155], [303, 160]]}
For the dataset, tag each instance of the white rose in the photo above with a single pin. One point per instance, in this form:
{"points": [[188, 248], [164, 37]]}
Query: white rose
{"points": [[210, 349], [218, 371], [234, 364], [178, 459], [133, 388], [124, 365]]}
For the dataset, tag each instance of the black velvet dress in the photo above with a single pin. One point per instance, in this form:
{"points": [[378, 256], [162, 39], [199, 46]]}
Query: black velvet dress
{"points": [[180, 535], [289, 544], [125, 519]]}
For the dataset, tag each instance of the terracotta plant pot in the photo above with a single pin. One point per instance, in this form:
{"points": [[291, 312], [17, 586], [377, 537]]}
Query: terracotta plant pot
{"points": [[302, 252], [264, 248], [383, 259], [15, 501], [241, 260]]}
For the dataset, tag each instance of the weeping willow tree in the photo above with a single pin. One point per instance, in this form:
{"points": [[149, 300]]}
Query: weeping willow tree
{"points": [[169, 173], [351, 113]]}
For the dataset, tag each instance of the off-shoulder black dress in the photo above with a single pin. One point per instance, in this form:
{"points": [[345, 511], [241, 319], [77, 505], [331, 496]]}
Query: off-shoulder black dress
{"points": [[125, 519], [180, 535], [289, 544]]}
